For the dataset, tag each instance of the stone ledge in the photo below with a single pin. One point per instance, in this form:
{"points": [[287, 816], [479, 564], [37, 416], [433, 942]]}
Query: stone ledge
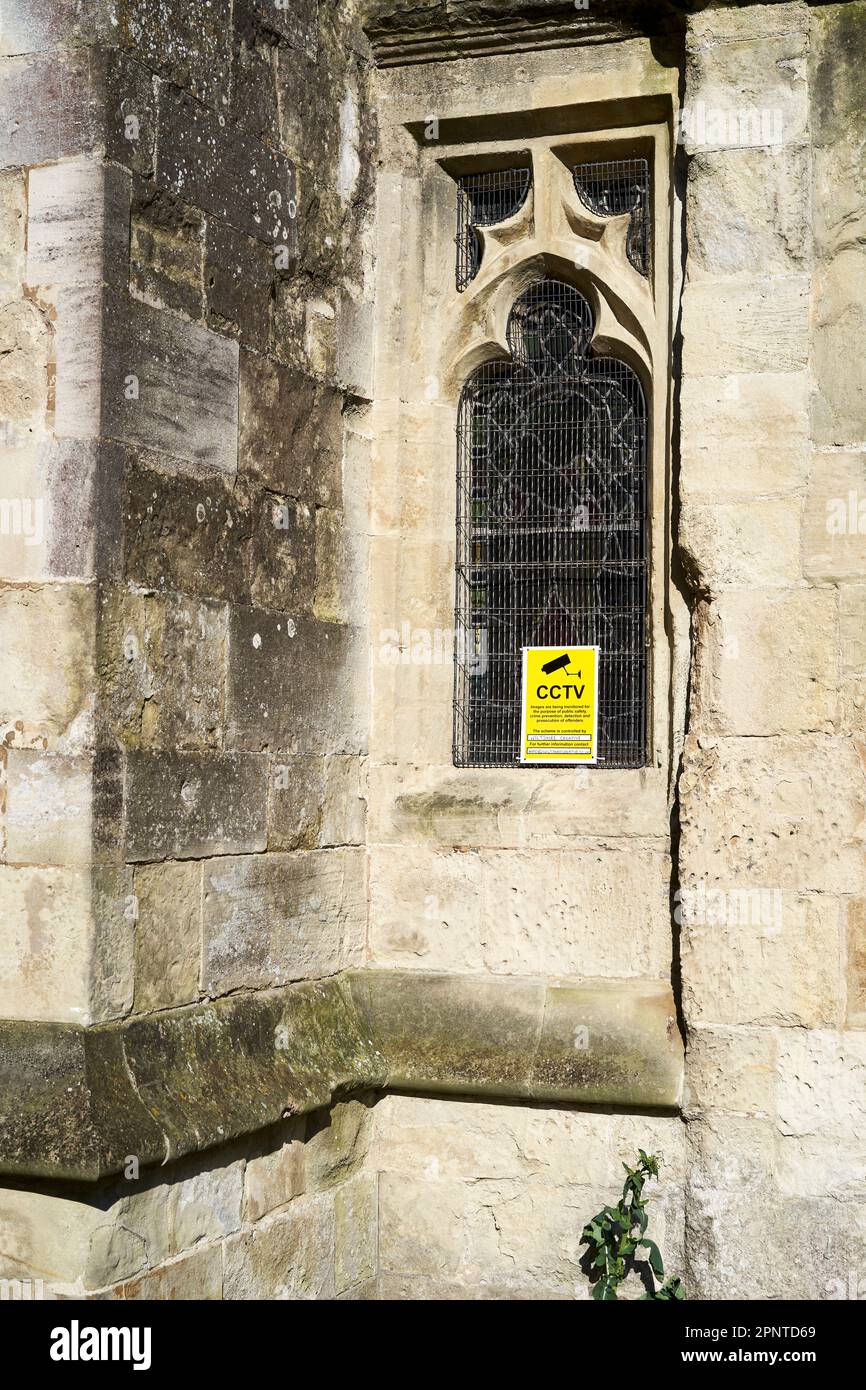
{"points": [[76, 1102], [401, 32]]}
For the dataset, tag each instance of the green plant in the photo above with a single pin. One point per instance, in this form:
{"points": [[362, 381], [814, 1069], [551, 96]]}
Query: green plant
{"points": [[617, 1233]]}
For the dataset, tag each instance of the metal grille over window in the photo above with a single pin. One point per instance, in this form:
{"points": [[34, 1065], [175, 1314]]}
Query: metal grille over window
{"points": [[482, 201], [551, 543], [622, 185]]}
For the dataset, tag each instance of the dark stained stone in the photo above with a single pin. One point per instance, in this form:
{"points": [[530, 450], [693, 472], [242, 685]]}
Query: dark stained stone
{"points": [[188, 805], [74, 1102], [130, 112], [283, 554], [296, 21], [226, 172], [239, 277], [190, 44], [254, 104], [166, 251], [290, 431], [295, 800], [184, 533], [295, 684]]}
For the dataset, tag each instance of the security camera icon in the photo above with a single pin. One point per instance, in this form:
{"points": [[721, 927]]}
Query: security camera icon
{"points": [[559, 663]]}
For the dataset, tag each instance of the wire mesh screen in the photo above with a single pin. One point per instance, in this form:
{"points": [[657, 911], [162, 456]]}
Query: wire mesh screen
{"points": [[482, 201], [616, 186], [551, 543]]}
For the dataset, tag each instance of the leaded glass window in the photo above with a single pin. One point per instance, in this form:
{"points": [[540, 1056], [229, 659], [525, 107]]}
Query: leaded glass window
{"points": [[551, 527]]}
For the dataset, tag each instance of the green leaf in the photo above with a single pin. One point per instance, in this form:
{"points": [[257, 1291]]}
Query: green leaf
{"points": [[655, 1259]]}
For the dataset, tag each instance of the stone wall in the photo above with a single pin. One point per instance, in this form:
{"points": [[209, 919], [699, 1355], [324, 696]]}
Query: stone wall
{"points": [[229, 393], [184, 723], [772, 790], [184, 200], [288, 1215]]}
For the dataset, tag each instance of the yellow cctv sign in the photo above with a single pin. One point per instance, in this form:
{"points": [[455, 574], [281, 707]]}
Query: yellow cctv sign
{"points": [[559, 705]]}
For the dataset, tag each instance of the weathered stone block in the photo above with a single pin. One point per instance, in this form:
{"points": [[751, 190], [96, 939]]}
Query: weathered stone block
{"points": [[731, 1069], [273, 918], [341, 569], [566, 914], [24, 367], [344, 807], [133, 1234], [47, 640], [317, 802], [166, 384], [185, 534], [78, 346], [166, 253], [129, 99], [749, 212], [856, 962], [555, 1146], [557, 913], [773, 1236], [751, 325], [225, 172], [283, 554], [46, 1235], [356, 1231], [837, 56], [167, 935], [13, 228], [312, 142], [288, 1256], [763, 958], [839, 294], [852, 623], [486, 807], [296, 792], [290, 431], [239, 276], [445, 1230], [769, 664], [296, 21], [48, 810], [77, 224], [337, 1144], [273, 1178], [113, 911], [31, 27], [161, 669], [207, 1204], [821, 1088], [188, 805], [254, 105], [58, 93], [426, 909], [834, 517], [45, 938], [758, 424], [198, 1276], [190, 46], [295, 686], [746, 77], [61, 514], [773, 813], [743, 545]]}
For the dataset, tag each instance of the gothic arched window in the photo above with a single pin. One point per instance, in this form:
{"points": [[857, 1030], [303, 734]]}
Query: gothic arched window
{"points": [[551, 528]]}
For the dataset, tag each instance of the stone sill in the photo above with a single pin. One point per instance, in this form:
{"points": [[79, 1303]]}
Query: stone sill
{"points": [[76, 1102]]}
